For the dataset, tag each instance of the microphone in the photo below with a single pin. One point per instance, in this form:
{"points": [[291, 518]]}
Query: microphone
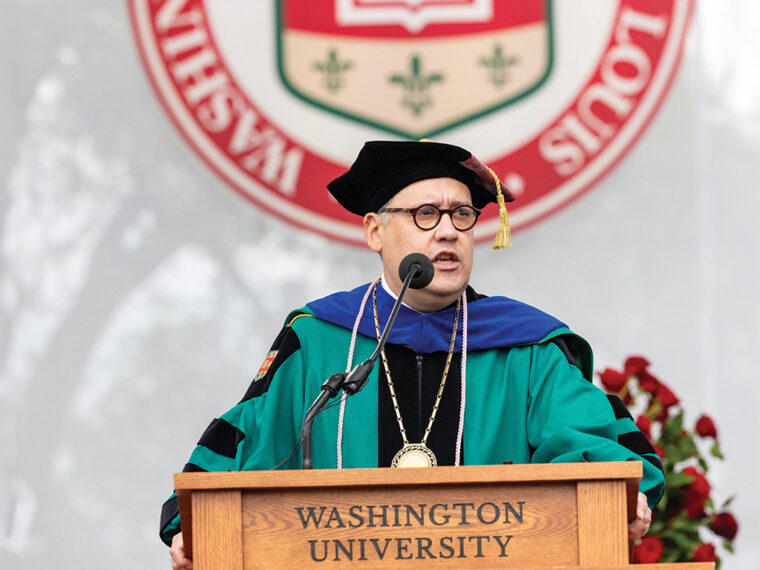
{"points": [[424, 267], [416, 271]]}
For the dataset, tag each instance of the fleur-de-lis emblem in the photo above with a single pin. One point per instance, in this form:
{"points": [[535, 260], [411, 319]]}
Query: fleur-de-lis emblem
{"points": [[333, 71], [498, 65], [416, 85]]}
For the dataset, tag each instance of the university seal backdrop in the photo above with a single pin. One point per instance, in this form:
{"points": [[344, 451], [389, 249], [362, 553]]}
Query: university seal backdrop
{"points": [[277, 97]]}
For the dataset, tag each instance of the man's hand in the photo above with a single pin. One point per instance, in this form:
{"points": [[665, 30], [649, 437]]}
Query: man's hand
{"points": [[177, 552], [639, 526]]}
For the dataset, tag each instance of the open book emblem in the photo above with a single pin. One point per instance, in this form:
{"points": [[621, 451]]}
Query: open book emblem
{"points": [[412, 14]]}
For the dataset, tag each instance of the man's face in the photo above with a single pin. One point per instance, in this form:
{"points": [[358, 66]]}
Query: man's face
{"points": [[450, 250]]}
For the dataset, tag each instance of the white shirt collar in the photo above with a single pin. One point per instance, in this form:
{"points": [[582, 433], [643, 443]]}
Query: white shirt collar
{"points": [[388, 290]]}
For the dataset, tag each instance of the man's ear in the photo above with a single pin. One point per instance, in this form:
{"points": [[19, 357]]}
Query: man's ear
{"points": [[373, 230]]}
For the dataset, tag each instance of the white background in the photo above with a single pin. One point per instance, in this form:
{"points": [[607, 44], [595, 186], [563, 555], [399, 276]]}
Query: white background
{"points": [[139, 294]]}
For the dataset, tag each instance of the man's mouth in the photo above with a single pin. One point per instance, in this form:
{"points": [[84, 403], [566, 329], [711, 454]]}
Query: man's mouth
{"points": [[446, 259]]}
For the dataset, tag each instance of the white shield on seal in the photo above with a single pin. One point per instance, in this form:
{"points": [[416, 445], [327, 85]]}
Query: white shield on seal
{"points": [[414, 67]]}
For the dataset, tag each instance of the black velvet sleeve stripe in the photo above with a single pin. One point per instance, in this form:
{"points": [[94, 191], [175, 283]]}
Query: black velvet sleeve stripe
{"points": [[636, 442], [222, 438], [170, 509], [168, 512], [560, 342], [618, 407], [284, 345], [654, 460]]}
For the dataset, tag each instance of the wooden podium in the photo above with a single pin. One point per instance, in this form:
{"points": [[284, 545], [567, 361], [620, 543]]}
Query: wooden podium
{"points": [[561, 515]]}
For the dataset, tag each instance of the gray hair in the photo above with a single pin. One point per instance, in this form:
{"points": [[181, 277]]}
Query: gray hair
{"points": [[384, 215]]}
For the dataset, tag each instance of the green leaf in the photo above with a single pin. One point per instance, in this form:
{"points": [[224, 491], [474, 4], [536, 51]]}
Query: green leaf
{"points": [[685, 525], [702, 464], [677, 480], [688, 446], [728, 501], [672, 428], [674, 454], [685, 542], [728, 545], [715, 451], [670, 555]]}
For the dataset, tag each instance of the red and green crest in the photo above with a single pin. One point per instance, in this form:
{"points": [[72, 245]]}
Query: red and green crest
{"points": [[413, 67]]}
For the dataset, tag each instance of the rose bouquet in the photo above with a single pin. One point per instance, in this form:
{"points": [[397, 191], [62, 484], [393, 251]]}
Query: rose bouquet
{"points": [[686, 522]]}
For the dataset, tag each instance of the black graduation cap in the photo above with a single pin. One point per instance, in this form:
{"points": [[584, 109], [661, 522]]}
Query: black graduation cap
{"points": [[384, 168]]}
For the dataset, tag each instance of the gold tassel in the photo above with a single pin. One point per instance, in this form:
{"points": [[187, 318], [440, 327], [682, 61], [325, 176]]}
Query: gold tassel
{"points": [[503, 235]]}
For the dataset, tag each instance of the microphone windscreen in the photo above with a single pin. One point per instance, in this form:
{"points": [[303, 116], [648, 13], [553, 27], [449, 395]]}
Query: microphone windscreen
{"points": [[424, 267]]}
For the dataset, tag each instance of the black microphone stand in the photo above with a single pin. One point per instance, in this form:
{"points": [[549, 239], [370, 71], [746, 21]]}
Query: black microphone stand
{"points": [[354, 381]]}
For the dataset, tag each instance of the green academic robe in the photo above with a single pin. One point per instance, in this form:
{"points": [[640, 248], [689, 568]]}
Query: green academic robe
{"points": [[524, 404]]}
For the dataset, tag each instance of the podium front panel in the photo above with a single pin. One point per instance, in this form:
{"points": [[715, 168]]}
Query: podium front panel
{"points": [[451, 526], [539, 515]]}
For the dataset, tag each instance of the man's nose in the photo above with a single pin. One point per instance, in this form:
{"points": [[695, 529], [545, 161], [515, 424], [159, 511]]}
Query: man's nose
{"points": [[445, 229]]}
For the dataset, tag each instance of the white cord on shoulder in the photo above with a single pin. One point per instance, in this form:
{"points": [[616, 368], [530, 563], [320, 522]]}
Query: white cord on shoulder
{"points": [[457, 456], [348, 369]]}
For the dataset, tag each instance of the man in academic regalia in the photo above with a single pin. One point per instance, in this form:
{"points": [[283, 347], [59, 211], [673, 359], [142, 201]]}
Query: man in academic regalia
{"points": [[465, 379]]}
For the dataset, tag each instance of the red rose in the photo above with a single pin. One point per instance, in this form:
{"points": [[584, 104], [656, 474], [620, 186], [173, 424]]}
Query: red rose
{"points": [[660, 451], [704, 553], [697, 493], [725, 525], [662, 415], [613, 380], [666, 396], [694, 509], [699, 487], [648, 382], [706, 427], [649, 550], [645, 425], [635, 365]]}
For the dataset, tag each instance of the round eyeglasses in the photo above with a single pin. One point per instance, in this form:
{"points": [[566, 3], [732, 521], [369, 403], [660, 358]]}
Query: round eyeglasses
{"points": [[428, 216]]}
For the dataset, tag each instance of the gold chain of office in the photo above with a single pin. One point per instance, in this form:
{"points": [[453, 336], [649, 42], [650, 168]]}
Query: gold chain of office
{"points": [[416, 454]]}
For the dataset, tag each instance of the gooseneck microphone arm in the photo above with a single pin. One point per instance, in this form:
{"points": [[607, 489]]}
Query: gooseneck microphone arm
{"points": [[329, 389], [357, 378], [417, 272]]}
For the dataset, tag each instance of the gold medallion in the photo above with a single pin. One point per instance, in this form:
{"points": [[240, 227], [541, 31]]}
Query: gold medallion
{"points": [[414, 455]]}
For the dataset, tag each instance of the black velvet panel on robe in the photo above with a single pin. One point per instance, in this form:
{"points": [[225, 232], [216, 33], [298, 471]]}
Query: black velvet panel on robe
{"points": [[416, 379]]}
